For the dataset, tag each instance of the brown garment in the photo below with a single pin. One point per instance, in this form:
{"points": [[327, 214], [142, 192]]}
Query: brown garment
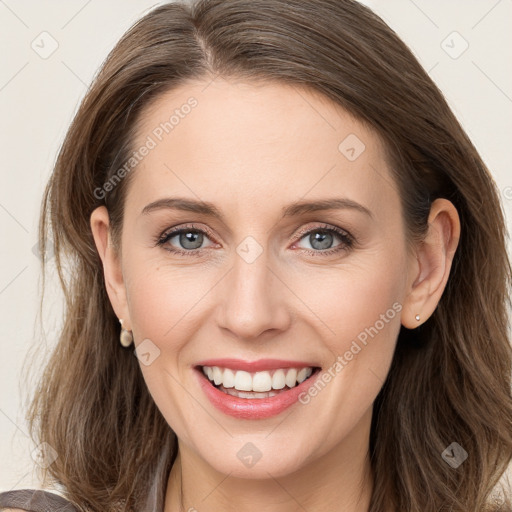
{"points": [[35, 500]]}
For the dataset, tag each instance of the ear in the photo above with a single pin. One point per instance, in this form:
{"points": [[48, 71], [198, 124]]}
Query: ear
{"points": [[116, 290], [434, 260]]}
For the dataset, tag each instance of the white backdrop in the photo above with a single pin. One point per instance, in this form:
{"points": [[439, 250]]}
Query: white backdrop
{"points": [[50, 52]]}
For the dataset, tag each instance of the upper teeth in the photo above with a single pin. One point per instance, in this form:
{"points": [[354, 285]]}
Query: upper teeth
{"points": [[258, 381]]}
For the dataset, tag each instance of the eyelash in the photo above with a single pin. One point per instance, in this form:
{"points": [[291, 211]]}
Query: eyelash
{"points": [[347, 240]]}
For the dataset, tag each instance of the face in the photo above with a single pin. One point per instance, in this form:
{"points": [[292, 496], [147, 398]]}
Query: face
{"points": [[261, 284]]}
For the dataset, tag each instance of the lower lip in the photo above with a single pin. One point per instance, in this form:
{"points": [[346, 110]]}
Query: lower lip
{"points": [[253, 408]]}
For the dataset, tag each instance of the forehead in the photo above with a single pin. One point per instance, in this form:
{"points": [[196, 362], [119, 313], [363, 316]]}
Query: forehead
{"points": [[238, 143]]}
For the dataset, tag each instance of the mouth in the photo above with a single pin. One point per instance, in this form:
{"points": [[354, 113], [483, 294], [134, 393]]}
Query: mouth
{"points": [[255, 395], [257, 385]]}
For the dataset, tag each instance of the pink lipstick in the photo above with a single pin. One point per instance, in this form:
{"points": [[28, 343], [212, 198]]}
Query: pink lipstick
{"points": [[254, 389]]}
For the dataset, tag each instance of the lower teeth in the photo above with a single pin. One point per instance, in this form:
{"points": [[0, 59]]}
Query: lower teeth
{"points": [[251, 394]]}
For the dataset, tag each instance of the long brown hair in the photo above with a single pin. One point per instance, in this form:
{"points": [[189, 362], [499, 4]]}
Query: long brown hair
{"points": [[450, 379]]}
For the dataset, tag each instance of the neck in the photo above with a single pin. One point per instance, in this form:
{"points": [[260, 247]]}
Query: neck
{"points": [[339, 479]]}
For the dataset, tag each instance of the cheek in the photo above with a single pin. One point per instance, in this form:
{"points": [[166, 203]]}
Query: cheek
{"points": [[349, 299], [359, 311], [366, 304], [164, 309], [162, 298]]}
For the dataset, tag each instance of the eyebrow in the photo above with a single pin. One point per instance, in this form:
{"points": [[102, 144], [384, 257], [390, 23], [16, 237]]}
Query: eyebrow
{"points": [[294, 209]]}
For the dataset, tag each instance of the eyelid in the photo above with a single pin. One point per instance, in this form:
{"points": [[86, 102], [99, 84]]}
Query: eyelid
{"points": [[327, 227], [190, 226]]}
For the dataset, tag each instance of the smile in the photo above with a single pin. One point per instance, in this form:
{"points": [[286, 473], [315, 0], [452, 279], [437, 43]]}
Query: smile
{"points": [[258, 384], [254, 395]]}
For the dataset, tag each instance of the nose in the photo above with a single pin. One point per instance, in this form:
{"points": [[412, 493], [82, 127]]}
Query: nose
{"points": [[253, 299]]}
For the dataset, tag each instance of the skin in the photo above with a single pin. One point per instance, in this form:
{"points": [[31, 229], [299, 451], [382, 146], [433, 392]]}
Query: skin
{"points": [[252, 149]]}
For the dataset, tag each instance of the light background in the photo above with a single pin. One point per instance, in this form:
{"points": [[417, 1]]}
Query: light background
{"points": [[38, 97]]}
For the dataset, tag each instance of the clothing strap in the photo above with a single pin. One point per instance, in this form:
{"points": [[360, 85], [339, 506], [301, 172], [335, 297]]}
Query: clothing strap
{"points": [[35, 500]]}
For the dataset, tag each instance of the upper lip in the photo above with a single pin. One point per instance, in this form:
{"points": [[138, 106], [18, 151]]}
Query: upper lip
{"points": [[255, 366]]}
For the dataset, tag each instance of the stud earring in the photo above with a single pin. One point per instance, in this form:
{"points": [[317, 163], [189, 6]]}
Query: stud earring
{"points": [[418, 318], [126, 336]]}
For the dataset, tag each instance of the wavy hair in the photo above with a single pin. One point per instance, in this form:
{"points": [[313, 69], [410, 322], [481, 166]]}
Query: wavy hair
{"points": [[450, 379]]}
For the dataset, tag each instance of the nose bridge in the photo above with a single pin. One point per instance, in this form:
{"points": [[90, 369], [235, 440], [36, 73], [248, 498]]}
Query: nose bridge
{"points": [[253, 300]]}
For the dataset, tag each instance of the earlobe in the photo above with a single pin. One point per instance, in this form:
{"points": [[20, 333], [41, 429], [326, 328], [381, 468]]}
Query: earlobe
{"points": [[434, 260], [114, 282]]}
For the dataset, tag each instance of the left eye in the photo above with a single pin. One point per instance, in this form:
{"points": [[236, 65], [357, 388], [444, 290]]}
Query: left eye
{"points": [[321, 239]]}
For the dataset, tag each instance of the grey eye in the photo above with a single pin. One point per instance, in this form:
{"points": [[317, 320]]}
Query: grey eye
{"points": [[190, 239], [321, 239]]}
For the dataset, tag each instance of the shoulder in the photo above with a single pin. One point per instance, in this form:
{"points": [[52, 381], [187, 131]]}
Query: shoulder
{"points": [[33, 500]]}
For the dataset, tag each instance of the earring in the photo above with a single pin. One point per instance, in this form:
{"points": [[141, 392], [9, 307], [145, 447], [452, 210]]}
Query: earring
{"points": [[126, 336], [418, 318]]}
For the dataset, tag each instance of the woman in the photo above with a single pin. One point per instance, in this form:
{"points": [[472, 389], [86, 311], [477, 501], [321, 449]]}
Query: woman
{"points": [[218, 149]]}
